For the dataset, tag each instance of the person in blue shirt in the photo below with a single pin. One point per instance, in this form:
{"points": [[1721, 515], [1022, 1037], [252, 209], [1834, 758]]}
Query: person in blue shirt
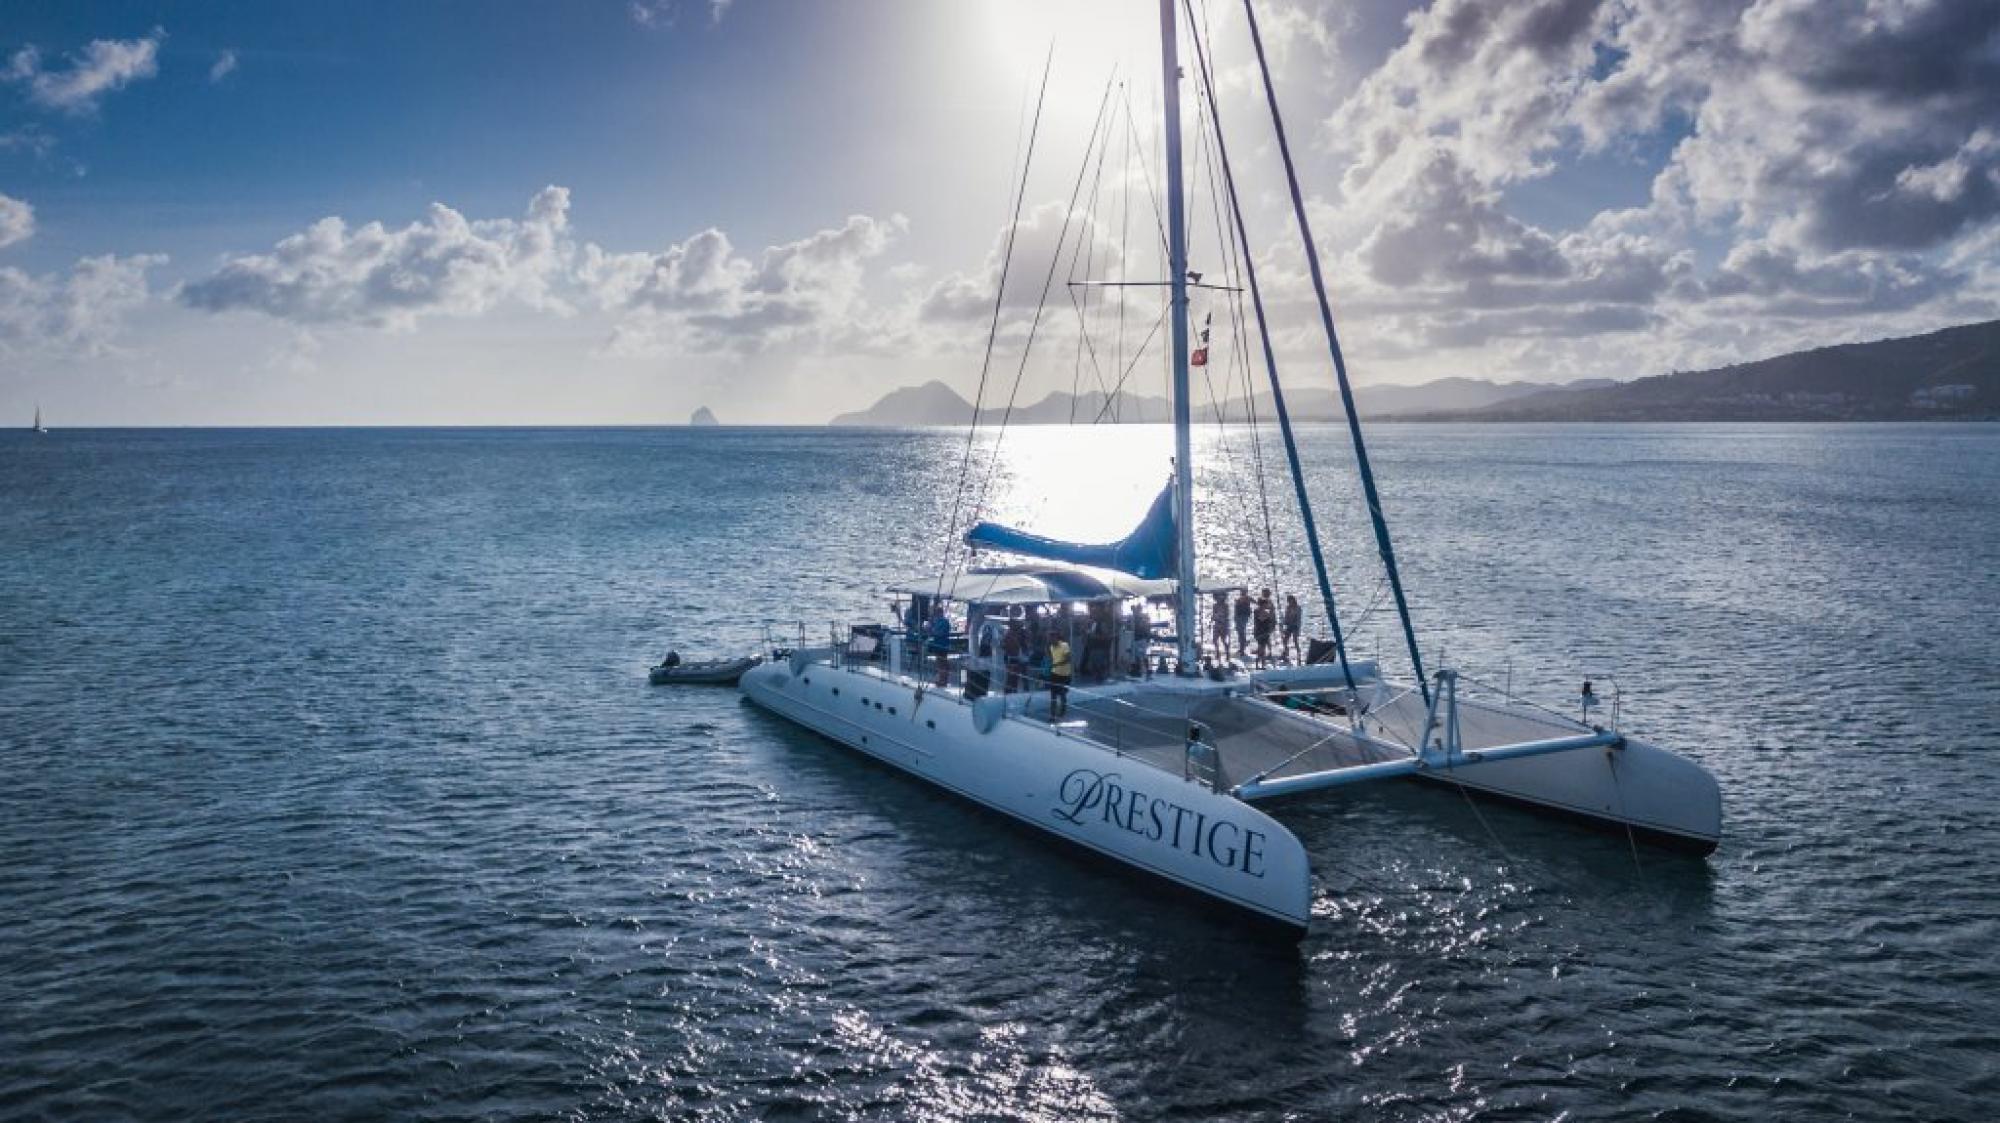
{"points": [[941, 642]]}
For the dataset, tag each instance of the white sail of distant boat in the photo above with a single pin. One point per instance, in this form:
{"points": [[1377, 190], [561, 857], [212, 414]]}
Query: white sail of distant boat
{"points": [[1162, 761], [38, 427]]}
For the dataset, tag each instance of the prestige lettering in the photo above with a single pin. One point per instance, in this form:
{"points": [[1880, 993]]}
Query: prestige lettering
{"points": [[1098, 797]]}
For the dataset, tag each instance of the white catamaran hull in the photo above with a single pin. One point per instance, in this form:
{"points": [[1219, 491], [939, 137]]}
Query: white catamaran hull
{"points": [[1665, 799], [1079, 791]]}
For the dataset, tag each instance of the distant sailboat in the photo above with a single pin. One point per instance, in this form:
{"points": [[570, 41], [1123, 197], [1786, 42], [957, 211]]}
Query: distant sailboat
{"points": [[39, 427]]}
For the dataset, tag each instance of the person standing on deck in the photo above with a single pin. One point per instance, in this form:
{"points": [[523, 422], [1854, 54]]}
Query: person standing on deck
{"points": [[941, 643], [1243, 610], [1294, 623], [1218, 625], [1142, 638], [1058, 677], [1266, 624]]}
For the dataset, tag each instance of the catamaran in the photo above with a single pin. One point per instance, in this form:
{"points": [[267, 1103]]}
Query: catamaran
{"points": [[1164, 762]]}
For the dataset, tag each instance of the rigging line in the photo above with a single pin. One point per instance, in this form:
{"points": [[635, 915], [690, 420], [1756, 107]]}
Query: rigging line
{"points": [[1232, 462], [1239, 356], [1239, 353], [1271, 365], [1231, 474], [993, 331], [1124, 240], [1042, 303], [1118, 387], [1090, 349], [1083, 343], [1339, 361], [1146, 169]]}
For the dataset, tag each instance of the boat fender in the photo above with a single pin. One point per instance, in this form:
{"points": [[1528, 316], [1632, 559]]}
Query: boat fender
{"points": [[987, 712]]}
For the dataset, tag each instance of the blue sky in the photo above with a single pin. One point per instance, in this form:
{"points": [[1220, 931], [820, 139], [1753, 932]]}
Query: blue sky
{"points": [[783, 209]]}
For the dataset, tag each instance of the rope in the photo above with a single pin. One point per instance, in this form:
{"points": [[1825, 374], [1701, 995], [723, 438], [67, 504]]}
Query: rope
{"points": [[1239, 354], [1042, 302], [993, 330]]}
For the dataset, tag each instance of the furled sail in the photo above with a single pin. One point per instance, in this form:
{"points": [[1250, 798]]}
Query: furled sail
{"points": [[1146, 552]]}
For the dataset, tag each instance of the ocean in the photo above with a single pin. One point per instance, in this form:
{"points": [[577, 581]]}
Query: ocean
{"points": [[334, 788]]}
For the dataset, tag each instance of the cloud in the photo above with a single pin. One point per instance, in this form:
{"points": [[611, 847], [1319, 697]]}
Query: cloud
{"points": [[701, 295], [17, 221], [697, 296], [28, 139], [1823, 158], [1848, 125], [104, 66], [373, 276], [1048, 231], [224, 66], [77, 313], [1778, 280], [1493, 80], [665, 13]]}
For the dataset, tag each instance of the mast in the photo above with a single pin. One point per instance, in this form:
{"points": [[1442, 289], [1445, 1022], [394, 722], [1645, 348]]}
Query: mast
{"points": [[1187, 626]]}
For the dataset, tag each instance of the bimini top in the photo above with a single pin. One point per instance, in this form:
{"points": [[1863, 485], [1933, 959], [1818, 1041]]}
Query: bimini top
{"points": [[1034, 584]]}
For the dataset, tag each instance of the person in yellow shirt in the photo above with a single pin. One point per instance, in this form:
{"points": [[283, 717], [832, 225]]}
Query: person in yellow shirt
{"points": [[1058, 677]]}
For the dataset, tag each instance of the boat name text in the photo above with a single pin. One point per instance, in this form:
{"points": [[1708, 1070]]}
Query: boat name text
{"points": [[1088, 794]]}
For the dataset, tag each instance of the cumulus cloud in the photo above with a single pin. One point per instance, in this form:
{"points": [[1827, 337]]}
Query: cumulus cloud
{"points": [[1492, 79], [17, 221], [1827, 158], [76, 87], [371, 275], [665, 13], [80, 312], [223, 67], [1049, 231], [28, 139], [702, 295]]}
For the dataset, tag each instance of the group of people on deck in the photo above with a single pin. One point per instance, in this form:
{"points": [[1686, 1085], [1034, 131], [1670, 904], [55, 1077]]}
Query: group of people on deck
{"points": [[1038, 646], [1052, 646], [1260, 620]]}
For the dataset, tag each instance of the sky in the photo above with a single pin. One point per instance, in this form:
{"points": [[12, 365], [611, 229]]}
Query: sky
{"points": [[615, 212]]}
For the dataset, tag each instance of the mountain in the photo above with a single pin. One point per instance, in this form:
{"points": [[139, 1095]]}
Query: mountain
{"points": [[703, 417], [1949, 374], [934, 403], [1315, 403], [1954, 373]]}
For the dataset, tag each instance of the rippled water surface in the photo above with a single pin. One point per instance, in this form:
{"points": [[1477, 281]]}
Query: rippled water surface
{"points": [[333, 788]]}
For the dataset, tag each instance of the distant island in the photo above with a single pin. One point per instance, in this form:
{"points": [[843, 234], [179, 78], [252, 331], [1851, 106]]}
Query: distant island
{"points": [[703, 417], [1953, 374]]}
